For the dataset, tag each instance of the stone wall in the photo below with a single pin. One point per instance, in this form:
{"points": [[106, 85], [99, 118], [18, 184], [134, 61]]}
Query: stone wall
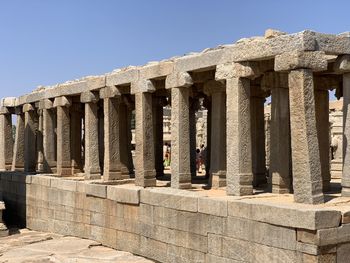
{"points": [[171, 225]]}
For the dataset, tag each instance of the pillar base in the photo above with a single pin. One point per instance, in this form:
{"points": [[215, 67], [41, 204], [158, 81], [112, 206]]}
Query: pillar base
{"points": [[313, 200], [218, 180], [92, 176], [64, 171], [108, 176]]}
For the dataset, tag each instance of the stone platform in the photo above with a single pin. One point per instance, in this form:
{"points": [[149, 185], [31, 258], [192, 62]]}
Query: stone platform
{"points": [[171, 225]]}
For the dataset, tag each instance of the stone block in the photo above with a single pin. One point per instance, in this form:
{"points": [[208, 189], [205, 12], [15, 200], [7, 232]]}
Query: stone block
{"points": [[122, 76], [314, 60], [146, 213], [67, 185], [327, 258], [343, 253], [289, 215], [94, 204], [153, 249], [96, 190], [88, 97], [128, 194], [177, 254], [171, 198], [156, 69], [261, 233], [178, 79], [159, 233], [81, 187], [314, 249], [128, 242], [216, 206], [215, 259], [41, 180]]}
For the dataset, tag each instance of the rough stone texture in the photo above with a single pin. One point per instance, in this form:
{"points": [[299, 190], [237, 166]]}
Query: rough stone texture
{"points": [[6, 141], [180, 138], [346, 135], [49, 140], [307, 180], [18, 151], [145, 174], [29, 138], [239, 166], [314, 60]]}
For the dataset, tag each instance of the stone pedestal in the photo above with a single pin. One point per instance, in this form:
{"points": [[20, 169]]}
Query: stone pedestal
{"points": [[145, 174], [322, 124], [180, 138], [64, 162], [6, 140], [307, 178], [18, 151], [30, 128], [280, 142]]}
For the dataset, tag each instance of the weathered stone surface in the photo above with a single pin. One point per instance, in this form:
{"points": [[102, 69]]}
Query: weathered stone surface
{"points": [[96, 190], [314, 60], [128, 194], [178, 79], [213, 206]]}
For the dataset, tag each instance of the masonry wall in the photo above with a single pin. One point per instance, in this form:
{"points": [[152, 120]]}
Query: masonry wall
{"points": [[170, 225]]}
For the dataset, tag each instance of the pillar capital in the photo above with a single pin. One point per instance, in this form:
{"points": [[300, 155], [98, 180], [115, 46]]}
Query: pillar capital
{"points": [[89, 97], [45, 104], [62, 102], [246, 69], [28, 107], [109, 92], [314, 60], [342, 64], [4, 110], [142, 85], [178, 80], [272, 80]]}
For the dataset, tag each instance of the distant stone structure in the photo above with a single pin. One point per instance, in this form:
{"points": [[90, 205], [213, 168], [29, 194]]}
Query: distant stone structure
{"points": [[70, 169]]}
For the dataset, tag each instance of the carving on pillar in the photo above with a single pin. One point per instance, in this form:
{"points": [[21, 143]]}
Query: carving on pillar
{"points": [[6, 139], [92, 168], [18, 151], [179, 84], [64, 162], [30, 128]]}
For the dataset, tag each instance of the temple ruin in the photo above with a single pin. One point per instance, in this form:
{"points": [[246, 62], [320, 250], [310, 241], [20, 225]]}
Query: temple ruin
{"points": [[69, 168]]}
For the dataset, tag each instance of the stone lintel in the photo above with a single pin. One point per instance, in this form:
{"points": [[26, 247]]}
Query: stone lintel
{"points": [[89, 96], [45, 104], [62, 102], [122, 76], [8, 102], [142, 85], [314, 60], [213, 86], [156, 69], [246, 69], [178, 79], [272, 80], [109, 92], [28, 107], [342, 64]]}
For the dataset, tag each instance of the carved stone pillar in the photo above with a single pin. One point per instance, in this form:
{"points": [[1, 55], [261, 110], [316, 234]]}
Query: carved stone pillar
{"points": [[217, 171], [6, 139], [145, 174], [39, 141], [280, 178], [180, 84], [322, 123], [112, 165], [64, 161], [92, 160], [194, 106], [157, 113], [125, 109], [258, 135], [307, 178], [30, 127], [49, 142], [76, 137], [239, 176], [18, 151]]}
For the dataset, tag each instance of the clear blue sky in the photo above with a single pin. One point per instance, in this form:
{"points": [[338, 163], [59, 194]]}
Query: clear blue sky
{"points": [[43, 42]]}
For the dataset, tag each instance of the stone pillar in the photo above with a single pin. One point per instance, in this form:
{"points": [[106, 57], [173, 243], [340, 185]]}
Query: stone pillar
{"points": [[239, 176], [64, 162], [76, 137], [258, 135], [112, 165], [127, 166], [307, 179], [39, 141], [218, 133], [6, 139], [342, 65], [280, 178], [49, 143], [30, 127], [322, 124], [18, 150], [194, 105], [180, 84], [145, 174], [92, 161], [157, 113]]}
